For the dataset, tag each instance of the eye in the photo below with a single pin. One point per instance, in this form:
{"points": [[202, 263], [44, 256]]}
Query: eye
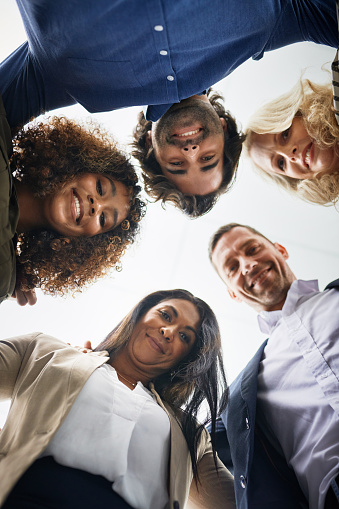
{"points": [[207, 158], [165, 315], [231, 270], [176, 163], [252, 249], [99, 187], [102, 220], [184, 337], [285, 134], [281, 164]]}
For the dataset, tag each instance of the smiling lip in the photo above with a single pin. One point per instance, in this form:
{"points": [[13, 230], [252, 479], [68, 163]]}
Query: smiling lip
{"points": [[307, 156], [188, 132], [155, 344], [260, 277], [77, 207]]}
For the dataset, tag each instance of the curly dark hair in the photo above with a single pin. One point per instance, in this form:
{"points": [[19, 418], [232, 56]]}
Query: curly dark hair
{"points": [[160, 188], [46, 156]]}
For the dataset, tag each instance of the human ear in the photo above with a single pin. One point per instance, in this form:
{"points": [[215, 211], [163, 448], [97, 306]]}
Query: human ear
{"points": [[223, 123], [282, 250], [149, 139], [233, 295]]}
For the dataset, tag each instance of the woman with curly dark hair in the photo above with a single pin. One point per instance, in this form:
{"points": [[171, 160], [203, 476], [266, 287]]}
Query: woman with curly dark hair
{"points": [[69, 207]]}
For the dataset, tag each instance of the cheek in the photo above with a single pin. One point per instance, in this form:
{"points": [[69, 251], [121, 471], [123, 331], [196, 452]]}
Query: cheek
{"points": [[328, 159], [91, 228]]}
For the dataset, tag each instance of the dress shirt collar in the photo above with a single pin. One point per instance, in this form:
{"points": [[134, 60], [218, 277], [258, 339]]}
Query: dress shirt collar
{"points": [[267, 320]]}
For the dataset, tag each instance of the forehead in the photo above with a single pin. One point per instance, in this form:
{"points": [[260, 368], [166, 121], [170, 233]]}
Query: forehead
{"points": [[262, 149], [233, 242]]}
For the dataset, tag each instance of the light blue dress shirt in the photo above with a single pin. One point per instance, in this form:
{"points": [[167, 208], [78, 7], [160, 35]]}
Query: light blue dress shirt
{"points": [[298, 385]]}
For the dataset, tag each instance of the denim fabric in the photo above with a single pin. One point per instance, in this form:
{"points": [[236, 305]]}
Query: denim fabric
{"points": [[109, 54]]}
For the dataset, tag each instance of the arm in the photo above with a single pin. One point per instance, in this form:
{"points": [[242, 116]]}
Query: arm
{"points": [[222, 445], [12, 352], [26, 90], [217, 486]]}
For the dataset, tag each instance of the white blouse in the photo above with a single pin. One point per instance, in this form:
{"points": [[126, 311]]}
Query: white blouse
{"points": [[120, 434]]}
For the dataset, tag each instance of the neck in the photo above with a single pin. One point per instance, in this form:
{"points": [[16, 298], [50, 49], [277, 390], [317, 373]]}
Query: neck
{"points": [[128, 372], [31, 212]]}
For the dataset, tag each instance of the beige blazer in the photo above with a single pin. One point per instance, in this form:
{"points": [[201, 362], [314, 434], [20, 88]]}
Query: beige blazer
{"points": [[43, 376]]}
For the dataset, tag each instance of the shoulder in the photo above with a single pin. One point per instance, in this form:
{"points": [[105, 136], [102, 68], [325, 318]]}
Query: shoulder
{"points": [[36, 342], [333, 284]]}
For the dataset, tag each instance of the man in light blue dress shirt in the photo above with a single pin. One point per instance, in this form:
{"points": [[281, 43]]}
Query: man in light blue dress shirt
{"points": [[279, 433], [109, 54]]}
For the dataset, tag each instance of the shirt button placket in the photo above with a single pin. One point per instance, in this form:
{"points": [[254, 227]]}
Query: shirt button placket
{"points": [[164, 52]]}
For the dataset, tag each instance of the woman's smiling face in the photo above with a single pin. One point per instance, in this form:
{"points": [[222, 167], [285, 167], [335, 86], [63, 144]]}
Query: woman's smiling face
{"points": [[293, 153], [86, 206], [164, 336]]}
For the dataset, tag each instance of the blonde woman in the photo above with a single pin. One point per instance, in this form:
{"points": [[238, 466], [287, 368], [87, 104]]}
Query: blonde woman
{"points": [[293, 141]]}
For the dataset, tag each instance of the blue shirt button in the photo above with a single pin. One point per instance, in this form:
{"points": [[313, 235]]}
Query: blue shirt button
{"points": [[158, 28], [170, 78], [163, 52]]}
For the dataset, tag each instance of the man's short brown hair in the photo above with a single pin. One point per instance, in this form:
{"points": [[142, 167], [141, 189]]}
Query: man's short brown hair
{"points": [[225, 229], [160, 188]]}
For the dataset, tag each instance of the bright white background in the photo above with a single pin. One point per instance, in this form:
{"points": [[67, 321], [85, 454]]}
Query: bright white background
{"points": [[172, 250]]}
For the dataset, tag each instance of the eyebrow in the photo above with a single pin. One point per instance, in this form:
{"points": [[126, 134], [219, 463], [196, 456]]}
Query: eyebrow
{"points": [[203, 168], [115, 220], [272, 156], [242, 247], [175, 312], [114, 189], [115, 213]]}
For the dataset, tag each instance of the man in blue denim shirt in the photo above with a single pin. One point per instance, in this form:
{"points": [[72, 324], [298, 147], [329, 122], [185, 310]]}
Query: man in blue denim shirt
{"points": [[108, 54]]}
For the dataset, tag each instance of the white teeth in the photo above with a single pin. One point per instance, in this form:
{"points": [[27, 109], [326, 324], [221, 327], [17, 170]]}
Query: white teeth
{"points": [[258, 278], [307, 156], [77, 207], [189, 133]]}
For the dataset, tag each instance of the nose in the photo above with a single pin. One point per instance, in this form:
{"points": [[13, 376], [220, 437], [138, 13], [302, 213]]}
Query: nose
{"points": [[247, 265], [291, 152], [191, 150], [94, 206], [167, 333]]}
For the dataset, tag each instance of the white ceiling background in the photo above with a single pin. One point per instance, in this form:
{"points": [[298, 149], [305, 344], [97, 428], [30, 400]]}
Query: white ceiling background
{"points": [[172, 250]]}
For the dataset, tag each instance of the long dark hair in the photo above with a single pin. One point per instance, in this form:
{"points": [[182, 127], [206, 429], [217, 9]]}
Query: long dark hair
{"points": [[200, 376]]}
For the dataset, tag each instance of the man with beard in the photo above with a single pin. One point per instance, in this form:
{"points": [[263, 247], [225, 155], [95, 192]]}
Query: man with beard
{"points": [[189, 156], [280, 429], [109, 54]]}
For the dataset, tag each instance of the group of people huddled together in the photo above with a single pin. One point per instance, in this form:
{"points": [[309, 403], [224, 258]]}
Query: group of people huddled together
{"points": [[118, 426]]}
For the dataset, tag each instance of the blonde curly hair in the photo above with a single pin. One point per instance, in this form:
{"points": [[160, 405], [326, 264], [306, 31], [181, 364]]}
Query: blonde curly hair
{"points": [[314, 103]]}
